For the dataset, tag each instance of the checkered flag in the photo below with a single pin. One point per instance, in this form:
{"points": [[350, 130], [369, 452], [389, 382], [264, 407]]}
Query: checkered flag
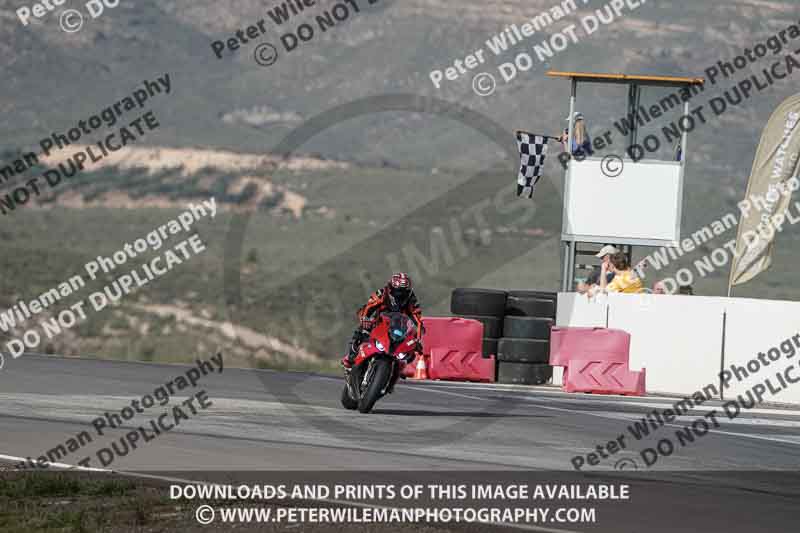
{"points": [[532, 151]]}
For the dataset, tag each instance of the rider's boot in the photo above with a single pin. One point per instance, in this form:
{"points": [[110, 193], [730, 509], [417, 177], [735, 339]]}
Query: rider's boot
{"points": [[348, 360]]}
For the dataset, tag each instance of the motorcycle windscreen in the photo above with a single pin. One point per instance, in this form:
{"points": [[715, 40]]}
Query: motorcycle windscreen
{"points": [[400, 327]]}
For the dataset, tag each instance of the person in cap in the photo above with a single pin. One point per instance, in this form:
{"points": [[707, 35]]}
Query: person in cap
{"points": [[581, 143], [605, 254], [592, 283]]}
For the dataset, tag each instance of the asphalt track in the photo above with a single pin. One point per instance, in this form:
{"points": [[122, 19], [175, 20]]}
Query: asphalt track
{"points": [[284, 421]]}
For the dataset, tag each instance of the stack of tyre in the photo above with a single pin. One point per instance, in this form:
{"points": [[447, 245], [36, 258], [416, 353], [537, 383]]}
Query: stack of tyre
{"points": [[486, 306], [523, 353], [516, 329]]}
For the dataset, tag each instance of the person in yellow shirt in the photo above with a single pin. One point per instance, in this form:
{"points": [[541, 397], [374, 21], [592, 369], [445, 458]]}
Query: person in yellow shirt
{"points": [[625, 279]]}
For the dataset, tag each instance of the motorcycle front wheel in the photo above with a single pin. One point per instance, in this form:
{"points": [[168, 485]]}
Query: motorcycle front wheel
{"points": [[377, 381], [347, 401]]}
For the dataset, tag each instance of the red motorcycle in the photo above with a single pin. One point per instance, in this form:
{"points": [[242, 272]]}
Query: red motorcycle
{"points": [[379, 362]]}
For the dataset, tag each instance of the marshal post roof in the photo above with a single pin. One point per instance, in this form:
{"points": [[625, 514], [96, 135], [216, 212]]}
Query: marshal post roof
{"points": [[662, 81]]}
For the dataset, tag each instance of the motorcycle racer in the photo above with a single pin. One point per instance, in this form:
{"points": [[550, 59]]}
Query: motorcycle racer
{"points": [[397, 296]]}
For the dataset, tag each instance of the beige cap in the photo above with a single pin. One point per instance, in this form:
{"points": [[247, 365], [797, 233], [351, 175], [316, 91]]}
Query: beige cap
{"points": [[606, 250]]}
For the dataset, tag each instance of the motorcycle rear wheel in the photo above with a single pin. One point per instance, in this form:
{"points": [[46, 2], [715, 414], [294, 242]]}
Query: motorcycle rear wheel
{"points": [[347, 401], [380, 378]]}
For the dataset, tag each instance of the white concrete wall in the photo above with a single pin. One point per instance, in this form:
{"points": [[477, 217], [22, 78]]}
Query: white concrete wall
{"points": [[755, 326], [678, 339], [577, 310]]}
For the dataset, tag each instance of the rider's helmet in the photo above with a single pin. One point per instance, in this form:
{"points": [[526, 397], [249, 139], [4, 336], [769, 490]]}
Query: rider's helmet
{"points": [[399, 291]]}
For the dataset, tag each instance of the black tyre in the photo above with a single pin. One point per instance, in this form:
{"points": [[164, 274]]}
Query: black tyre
{"points": [[543, 295], [523, 373], [347, 401], [530, 306], [380, 378], [517, 327], [483, 302], [492, 326], [523, 351], [489, 347]]}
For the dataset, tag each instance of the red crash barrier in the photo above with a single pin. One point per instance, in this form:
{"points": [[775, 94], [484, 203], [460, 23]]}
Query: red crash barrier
{"points": [[453, 350], [595, 360], [455, 365], [602, 343], [452, 332], [603, 377]]}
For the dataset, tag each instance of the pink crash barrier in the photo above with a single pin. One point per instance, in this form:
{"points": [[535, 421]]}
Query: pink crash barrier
{"points": [[453, 350], [603, 377], [456, 365], [595, 360], [602, 343]]}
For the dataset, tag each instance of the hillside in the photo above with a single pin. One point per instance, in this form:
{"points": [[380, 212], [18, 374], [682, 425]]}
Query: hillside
{"points": [[334, 176], [115, 52]]}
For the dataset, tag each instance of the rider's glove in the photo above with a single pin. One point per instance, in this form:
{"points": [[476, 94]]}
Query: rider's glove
{"points": [[410, 356]]}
